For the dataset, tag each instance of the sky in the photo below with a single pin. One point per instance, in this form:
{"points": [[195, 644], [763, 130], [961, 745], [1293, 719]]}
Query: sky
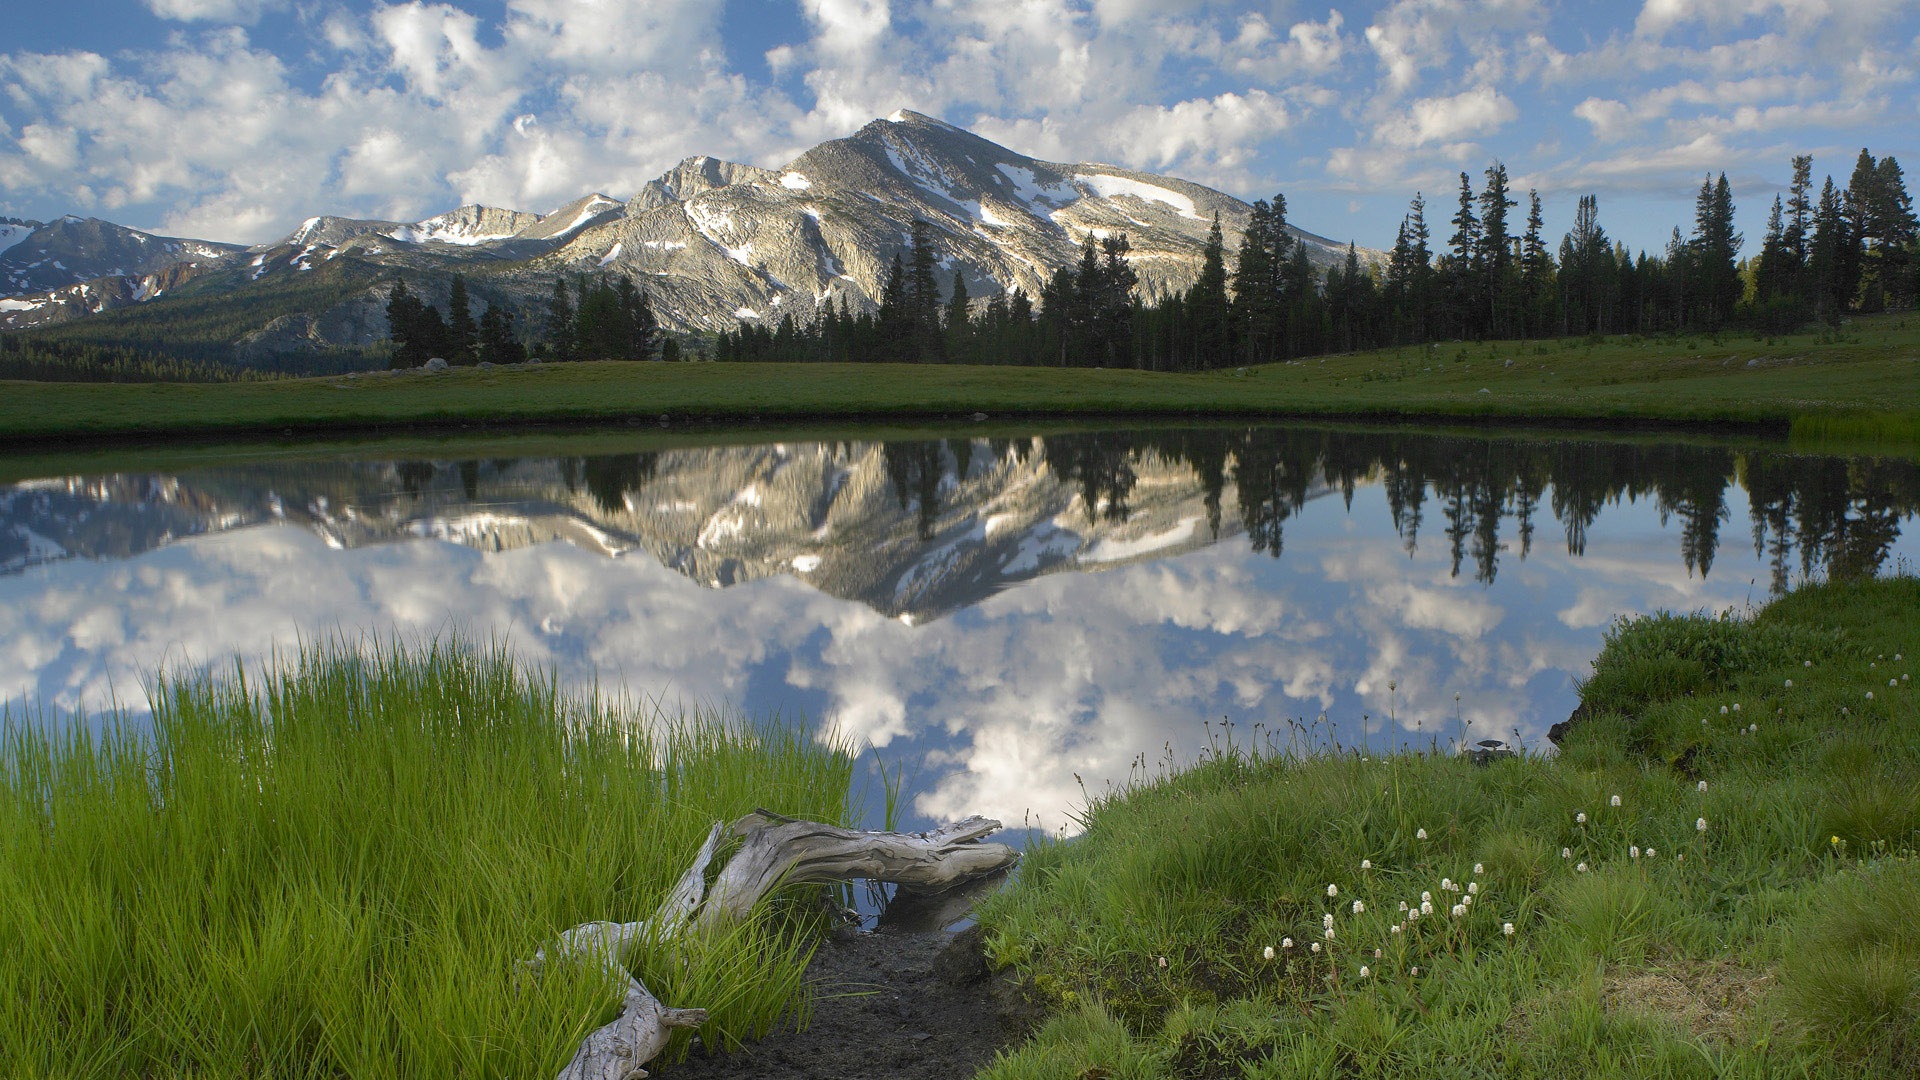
{"points": [[236, 119]]}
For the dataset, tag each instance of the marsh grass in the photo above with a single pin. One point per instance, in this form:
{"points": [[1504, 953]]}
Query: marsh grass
{"points": [[335, 867], [1763, 925]]}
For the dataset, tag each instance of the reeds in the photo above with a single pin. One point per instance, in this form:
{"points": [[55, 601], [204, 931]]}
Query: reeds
{"points": [[334, 867]]}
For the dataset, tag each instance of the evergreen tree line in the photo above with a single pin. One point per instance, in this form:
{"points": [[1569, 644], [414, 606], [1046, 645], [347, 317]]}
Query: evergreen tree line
{"points": [[594, 319], [56, 361], [1496, 277]]}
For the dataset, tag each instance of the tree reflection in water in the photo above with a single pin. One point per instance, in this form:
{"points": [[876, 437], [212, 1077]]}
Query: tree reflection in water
{"points": [[1840, 515]]}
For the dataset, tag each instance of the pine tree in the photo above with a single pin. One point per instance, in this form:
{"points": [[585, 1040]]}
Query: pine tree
{"points": [[406, 325], [959, 322], [461, 333], [1714, 247], [1420, 260], [1536, 268], [560, 322], [1494, 252], [893, 324], [1462, 283], [497, 344], [1258, 314], [1207, 307], [1828, 257], [923, 296]]}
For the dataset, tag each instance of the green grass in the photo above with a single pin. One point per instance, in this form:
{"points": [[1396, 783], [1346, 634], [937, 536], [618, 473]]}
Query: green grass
{"points": [[1859, 383], [335, 868], [1747, 908]]}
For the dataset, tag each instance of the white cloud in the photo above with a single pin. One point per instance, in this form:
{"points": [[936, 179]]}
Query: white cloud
{"points": [[246, 12], [1480, 111]]}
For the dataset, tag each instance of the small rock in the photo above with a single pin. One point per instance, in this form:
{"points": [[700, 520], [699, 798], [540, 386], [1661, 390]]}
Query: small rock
{"points": [[979, 416], [436, 364], [486, 365]]}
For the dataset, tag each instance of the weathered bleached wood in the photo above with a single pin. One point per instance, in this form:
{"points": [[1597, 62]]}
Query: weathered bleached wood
{"points": [[776, 851], [780, 852]]}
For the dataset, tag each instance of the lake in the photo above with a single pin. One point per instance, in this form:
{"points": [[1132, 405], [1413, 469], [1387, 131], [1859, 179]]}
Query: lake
{"points": [[1005, 616]]}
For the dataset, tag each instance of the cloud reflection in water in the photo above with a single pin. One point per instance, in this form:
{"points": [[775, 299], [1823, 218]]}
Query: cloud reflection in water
{"points": [[994, 705]]}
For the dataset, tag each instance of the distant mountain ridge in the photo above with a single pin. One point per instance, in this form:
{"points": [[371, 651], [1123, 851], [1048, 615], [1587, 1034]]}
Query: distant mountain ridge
{"points": [[712, 241]]}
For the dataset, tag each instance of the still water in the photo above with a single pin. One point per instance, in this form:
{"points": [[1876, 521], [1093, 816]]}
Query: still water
{"points": [[1004, 618]]}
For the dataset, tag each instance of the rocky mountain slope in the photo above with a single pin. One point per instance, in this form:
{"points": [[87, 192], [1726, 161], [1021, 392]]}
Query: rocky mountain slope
{"points": [[712, 241]]}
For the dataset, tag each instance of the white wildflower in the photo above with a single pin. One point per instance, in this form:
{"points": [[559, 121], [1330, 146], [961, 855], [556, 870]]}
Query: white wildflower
{"points": [[1700, 825], [1327, 920], [1702, 785], [1723, 710], [1426, 897], [1566, 853], [1333, 890], [1650, 853], [1420, 834], [1507, 929], [1613, 801], [1267, 952], [1426, 907], [1366, 864], [1473, 887], [1286, 943], [1459, 910], [1163, 963], [1316, 946], [1633, 851], [1479, 868], [1580, 818], [1358, 907], [1364, 971], [1327, 933], [1582, 868], [1395, 928], [1789, 684]]}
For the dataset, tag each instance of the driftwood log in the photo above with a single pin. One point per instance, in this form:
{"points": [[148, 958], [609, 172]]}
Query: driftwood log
{"points": [[775, 851]]}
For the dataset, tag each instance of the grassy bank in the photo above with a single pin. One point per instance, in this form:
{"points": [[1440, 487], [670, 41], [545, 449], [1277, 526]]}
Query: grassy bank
{"points": [[1716, 877], [1868, 370], [334, 869]]}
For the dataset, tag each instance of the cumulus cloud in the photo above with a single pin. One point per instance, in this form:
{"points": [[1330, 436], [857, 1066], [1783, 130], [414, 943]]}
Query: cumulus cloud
{"points": [[246, 12], [1479, 111], [403, 109]]}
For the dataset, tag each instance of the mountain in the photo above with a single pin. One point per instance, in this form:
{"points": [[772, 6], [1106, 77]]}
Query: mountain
{"points": [[714, 241], [74, 250]]}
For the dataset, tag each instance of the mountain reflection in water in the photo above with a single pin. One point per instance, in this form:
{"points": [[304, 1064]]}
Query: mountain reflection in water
{"points": [[938, 615]]}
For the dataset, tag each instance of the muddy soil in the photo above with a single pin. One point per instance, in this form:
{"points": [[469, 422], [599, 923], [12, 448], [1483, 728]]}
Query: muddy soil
{"points": [[900, 1005]]}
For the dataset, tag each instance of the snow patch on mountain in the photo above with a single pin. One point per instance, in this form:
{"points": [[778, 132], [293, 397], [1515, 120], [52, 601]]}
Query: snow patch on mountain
{"points": [[598, 205], [13, 234], [793, 181], [1108, 186]]}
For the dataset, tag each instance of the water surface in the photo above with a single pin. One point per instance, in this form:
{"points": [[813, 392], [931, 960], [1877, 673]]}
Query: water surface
{"points": [[1006, 618]]}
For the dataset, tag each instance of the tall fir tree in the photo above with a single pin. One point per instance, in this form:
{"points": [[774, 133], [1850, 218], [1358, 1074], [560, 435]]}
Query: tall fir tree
{"points": [[560, 322], [1715, 246], [1462, 284], [461, 332], [959, 328], [923, 296], [1494, 252], [1208, 311]]}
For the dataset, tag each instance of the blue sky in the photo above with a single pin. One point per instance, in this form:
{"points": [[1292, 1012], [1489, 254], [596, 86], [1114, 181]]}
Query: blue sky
{"points": [[235, 119]]}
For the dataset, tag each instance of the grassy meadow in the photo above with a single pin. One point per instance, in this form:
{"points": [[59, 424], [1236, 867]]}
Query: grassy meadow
{"points": [[1858, 384], [1715, 877], [336, 867]]}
